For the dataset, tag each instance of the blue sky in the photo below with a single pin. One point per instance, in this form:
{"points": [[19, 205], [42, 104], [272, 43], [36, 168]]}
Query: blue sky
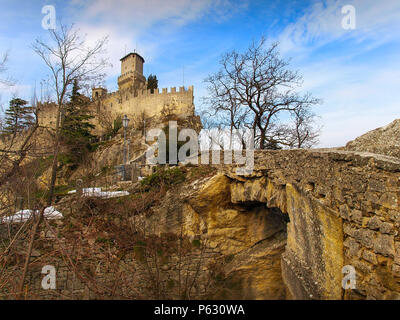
{"points": [[355, 72]]}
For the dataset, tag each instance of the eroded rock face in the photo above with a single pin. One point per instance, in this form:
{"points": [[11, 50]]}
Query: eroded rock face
{"points": [[384, 140], [343, 210], [314, 238], [250, 235]]}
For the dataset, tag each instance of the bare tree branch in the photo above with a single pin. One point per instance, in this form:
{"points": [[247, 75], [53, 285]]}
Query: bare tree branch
{"points": [[256, 89], [68, 58], [8, 81]]}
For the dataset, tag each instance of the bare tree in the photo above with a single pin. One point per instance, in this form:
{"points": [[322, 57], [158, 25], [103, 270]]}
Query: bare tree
{"points": [[68, 58], [303, 133], [3, 68], [14, 181], [256, 89], [106, 120], [223, 104], [5, 80]]}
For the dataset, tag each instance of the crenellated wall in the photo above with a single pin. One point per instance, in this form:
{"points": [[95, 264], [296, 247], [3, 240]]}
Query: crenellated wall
{"points": [[135, 102]]}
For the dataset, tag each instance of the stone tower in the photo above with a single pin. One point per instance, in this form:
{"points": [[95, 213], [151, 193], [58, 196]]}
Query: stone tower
{"points": [[98, 93], [134, 99], [132, 72]]}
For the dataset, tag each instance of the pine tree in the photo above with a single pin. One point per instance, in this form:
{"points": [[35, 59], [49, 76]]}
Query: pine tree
{"points": [[18, 116], [272, 145], [76, 126], [152, 82]]}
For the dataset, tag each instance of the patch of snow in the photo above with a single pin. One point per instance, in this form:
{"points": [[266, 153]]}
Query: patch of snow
{"points": [[96, 192], [52, 213], [112, 194], [90, 191], [23, 215]]}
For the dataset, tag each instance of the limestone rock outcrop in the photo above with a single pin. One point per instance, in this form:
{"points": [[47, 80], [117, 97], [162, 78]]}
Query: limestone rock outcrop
{"points": [[384, 140], [250, 235]]}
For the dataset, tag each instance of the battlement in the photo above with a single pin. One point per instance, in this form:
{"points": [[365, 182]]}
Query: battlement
{"points": [[98, 93], [134, 102], [133, 94], [171, 90]]}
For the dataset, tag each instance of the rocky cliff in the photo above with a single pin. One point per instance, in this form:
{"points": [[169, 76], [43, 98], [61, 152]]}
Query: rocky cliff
{"points": [[384, 140], [285, 231]]}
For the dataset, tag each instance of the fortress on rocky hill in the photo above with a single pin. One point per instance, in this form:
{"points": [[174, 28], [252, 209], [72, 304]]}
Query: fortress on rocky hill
{"points": [[132, 98]]}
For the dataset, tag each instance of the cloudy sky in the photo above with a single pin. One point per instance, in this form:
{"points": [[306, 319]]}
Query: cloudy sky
{"points": [[356, 72]]}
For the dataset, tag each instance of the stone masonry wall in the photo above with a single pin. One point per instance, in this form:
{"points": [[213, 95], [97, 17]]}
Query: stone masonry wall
{"points": [[343, 209], [132, 103]]}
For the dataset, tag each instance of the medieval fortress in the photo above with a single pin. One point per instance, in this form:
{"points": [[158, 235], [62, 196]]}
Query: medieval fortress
{"points": [[132, 98]]}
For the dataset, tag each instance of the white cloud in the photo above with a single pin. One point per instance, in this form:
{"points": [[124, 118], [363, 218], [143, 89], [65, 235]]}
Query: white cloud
{"points": [[354, 106], [116, 42], [17, 90], [356, 97], [144, 13], [376, 22], [358, 86], [129, 23]]}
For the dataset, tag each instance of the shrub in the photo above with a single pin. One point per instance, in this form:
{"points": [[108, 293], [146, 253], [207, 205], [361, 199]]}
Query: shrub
{"points": [[164, 176]]}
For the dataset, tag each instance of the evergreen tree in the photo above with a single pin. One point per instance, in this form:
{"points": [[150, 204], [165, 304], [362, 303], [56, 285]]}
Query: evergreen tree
{"points": [[272, 145], [152, 82], [18, 116], [76, 126]]}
